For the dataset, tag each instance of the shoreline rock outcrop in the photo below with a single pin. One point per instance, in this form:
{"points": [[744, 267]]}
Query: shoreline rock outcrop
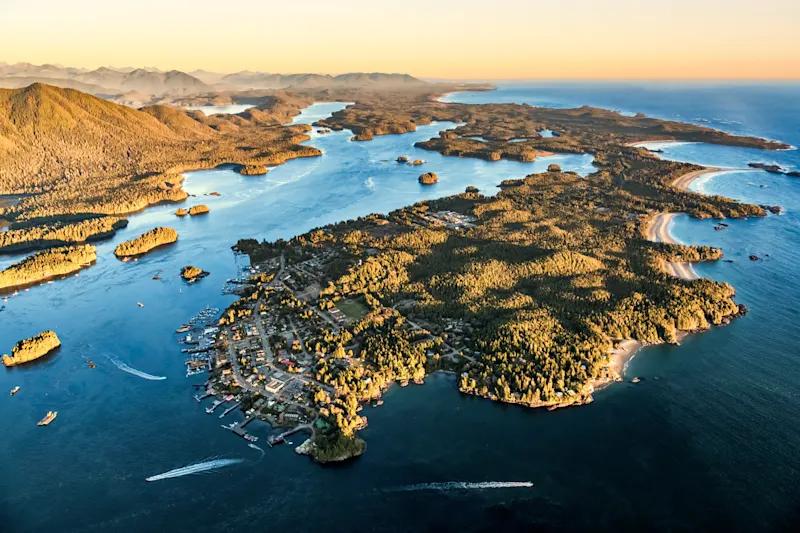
{"points": [[429, 178]]}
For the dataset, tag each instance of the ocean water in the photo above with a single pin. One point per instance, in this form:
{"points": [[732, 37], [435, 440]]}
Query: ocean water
{"points": [[712, 444]]}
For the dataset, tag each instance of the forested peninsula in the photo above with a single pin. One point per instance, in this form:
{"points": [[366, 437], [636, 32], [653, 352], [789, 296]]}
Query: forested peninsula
{"points": [[33, 348], [524, 294], [23, 239], [146, 242]]}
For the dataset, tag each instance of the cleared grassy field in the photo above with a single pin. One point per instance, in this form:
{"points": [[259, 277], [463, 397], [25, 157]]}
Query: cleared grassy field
{"points": [[353, 308]]}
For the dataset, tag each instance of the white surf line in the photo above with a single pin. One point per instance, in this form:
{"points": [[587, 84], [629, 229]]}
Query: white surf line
{"points": [[463, 485], [144, 375]]}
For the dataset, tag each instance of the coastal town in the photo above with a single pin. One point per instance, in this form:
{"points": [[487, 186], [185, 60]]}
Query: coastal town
{"points": [[327, 321], [275, 353]]}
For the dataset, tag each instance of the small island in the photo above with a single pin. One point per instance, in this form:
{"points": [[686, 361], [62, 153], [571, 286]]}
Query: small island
{"points": [[181, 212], [429, 178], [193, 274], [252, 170], [33, 348], [146, 242], [554, 168], [46, 265], [201, 209]]}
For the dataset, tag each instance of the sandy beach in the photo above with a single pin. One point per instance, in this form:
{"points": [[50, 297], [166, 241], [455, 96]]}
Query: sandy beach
{"points": [[684, 181], [642, 144], [658, 231]]}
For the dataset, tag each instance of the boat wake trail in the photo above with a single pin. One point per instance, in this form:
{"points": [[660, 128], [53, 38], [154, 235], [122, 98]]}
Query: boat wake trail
{"points": [[144, 375], [462, 485], [250, 444], [197, 468]]}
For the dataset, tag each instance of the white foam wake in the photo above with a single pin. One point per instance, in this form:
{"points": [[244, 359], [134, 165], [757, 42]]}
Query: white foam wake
{"points": [[259, 448], [144, 375], [463, 485], [196, 468]]}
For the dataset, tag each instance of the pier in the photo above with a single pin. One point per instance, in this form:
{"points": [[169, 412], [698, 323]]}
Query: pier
{"points": [[277, 439], [229, 409], [238, 429], [204, 396], [214, 406]]}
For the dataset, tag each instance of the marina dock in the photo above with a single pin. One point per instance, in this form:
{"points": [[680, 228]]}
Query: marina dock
{"points": [[238, 429], [229, 409], [208, 394], [277, 439], [214, 406]]}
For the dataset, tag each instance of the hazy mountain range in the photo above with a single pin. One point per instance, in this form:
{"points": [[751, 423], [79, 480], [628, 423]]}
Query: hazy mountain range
{"points": [[135, 86]]}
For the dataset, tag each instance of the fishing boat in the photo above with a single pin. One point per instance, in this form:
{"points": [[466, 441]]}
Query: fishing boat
{"points": [[140, 304], [49, 417], [15, 390]]}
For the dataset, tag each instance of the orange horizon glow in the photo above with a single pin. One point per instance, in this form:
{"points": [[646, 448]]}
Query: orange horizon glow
{"points": [[499, 40]]}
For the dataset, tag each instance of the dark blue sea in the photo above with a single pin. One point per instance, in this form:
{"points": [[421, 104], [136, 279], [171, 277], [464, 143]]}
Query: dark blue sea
{"points": [[712, 445]]}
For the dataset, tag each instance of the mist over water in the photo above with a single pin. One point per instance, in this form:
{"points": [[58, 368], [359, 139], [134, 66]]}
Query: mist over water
{"points": [[713, 443]]}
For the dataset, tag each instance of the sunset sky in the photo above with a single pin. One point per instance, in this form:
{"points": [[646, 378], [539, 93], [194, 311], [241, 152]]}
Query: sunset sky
{"points": [[466, 39]]}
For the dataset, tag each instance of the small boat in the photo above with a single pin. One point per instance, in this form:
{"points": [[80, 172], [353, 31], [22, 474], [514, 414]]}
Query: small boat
{"points": [[90, 363], [182, 329], [15, 390], [49, 417], [140, 304]]}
